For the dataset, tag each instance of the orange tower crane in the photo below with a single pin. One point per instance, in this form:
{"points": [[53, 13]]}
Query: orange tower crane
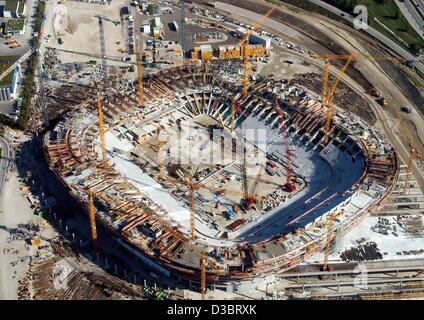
{"points": [[91, 216], [101, 128], [244, 43], [328, 93], [327, 97]]}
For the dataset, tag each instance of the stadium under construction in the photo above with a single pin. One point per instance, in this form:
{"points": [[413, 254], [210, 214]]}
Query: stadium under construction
{"points": [[216, 183]]}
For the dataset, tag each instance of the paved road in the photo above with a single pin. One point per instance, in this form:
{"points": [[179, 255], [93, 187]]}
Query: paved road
{"points": [[4, 162], [411, 14], [374, 33]]}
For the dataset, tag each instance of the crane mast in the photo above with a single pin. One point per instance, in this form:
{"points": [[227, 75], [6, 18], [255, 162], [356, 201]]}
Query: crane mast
{"points": [[101, 128], [245, 43], [203, 275]]}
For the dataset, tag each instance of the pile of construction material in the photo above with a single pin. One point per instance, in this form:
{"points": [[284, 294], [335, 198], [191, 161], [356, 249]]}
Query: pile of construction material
{"points": [[62, 278], [367, 252], [413, 226], [385, 227], [273, 200]]}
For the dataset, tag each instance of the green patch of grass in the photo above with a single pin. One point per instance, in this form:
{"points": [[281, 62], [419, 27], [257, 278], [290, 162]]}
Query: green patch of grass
{"points": [[388, 13], [6, 62], [311, 7]]}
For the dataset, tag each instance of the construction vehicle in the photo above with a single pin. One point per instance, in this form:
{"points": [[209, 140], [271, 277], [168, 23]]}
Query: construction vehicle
{"points": [[230, 211]]}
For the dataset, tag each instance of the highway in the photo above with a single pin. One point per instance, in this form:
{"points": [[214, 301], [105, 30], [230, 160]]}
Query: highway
{"points": [[374, 33]]}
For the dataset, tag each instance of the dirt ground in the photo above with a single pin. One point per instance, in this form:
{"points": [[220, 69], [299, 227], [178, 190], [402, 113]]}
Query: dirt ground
{"points": [[77, 25]]}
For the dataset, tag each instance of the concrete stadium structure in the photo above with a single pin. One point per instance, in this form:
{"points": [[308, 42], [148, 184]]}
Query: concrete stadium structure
{"points": [[348, 176]]}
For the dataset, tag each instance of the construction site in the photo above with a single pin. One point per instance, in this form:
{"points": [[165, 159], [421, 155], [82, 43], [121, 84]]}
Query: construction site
{"points": [[209, 165]]}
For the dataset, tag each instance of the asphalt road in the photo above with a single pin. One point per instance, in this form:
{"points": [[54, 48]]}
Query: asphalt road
{"points": [[411, 14], [374, 33], [4, 162]]}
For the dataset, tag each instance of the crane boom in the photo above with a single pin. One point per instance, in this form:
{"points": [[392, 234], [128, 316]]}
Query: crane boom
{"points": [[325, 80], [258, 23], [329, 95], [245, 43]]}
